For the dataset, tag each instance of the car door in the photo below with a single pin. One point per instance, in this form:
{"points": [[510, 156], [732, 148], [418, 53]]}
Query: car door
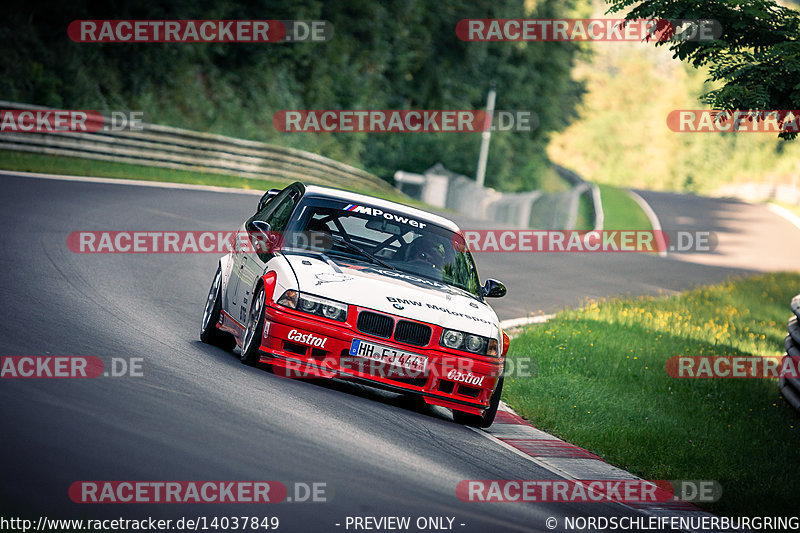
{"points": [[230, 299], [251, 263]]}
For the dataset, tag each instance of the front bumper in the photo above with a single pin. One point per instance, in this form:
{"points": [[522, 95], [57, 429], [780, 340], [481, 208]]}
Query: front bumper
{"points": [[306, 345]]}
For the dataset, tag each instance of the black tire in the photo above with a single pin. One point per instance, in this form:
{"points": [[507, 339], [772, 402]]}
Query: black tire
{"points": [[208, 328], [483, 420], [251, 339]]}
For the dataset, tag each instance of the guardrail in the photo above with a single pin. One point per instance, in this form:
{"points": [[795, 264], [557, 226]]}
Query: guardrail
{"points": [[176, 148], [790, 387], [444, 188], [759, 192], [581, 187]]}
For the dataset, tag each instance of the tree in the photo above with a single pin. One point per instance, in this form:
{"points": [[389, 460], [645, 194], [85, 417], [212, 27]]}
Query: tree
{"points": [[757, 55], [389, 54]]}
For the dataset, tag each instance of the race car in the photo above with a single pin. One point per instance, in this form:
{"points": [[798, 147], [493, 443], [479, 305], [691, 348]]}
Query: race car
{"points": [[322, 282]]}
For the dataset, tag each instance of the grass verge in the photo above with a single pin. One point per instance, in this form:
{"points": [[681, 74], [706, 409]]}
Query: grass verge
{"points": [[74, 166], [620, 211], [552, 182], [585, 218], [602, 385]]}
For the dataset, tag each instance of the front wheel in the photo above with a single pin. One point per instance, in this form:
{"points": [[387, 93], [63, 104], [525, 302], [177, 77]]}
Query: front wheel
{"points": [[208, 329], [251, 342], [483, 420]]}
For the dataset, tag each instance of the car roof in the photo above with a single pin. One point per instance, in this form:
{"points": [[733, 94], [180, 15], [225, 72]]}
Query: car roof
{"points": [[356, 198]]}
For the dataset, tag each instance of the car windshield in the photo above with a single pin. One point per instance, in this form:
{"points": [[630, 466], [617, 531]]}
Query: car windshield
{"points": [[388, 239]]}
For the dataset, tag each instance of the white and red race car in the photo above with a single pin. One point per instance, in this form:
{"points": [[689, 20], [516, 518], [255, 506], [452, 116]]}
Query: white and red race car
{"points": [[328, 283]]}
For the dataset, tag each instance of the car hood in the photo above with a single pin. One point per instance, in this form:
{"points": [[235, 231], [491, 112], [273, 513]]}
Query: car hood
{"points": [[395, 293]]}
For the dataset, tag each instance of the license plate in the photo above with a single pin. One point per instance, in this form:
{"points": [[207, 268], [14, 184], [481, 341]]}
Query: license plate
{"points": [[390, 356]]}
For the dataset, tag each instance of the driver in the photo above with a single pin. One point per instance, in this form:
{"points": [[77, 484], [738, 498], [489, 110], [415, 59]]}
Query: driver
{"points": [[319, 235], [426, 249]]}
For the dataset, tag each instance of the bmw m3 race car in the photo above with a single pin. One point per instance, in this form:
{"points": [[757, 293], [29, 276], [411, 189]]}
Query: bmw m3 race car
{"points": [[328, 283]]}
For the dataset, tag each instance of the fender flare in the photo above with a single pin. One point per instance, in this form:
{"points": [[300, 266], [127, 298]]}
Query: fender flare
{"points": [[268, 280]]}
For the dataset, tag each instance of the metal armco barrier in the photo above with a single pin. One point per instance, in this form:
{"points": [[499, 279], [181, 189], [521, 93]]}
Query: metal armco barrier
{"points": [[444, 188], [760, 192], [175, 148], [790, 387]]}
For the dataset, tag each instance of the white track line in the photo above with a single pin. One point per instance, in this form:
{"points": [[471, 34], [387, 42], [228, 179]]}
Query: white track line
{"points": [[575, 475], [135, 183], [785, 213], [524, 321], [597, 199], [581, 475], [651, 215]]}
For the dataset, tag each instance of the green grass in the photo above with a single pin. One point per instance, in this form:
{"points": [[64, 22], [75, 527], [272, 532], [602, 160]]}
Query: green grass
{"points": [[74, 166], [585, 218], [602, 385], [621, 212], [551, 181]]}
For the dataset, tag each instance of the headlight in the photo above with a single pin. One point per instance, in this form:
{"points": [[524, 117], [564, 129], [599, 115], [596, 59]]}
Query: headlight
{"points": [[331, 311], [314, 305], [475, 343], [458, 340], [309, 306], [452, 339]]}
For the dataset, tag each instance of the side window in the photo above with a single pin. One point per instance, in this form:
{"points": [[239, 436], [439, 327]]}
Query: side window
{"points": [[268, 208], [278, 211], [280, 216]]}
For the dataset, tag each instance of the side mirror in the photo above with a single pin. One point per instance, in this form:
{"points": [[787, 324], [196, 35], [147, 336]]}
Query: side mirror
{"points": [[493, 289], [265, 199], [264, 240]]}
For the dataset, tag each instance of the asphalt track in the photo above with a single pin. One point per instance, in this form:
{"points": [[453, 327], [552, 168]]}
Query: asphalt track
{"points": [[199, 414], [751, 237]]}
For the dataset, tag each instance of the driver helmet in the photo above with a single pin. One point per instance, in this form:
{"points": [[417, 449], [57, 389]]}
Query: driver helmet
{"points": [[428, 249]]}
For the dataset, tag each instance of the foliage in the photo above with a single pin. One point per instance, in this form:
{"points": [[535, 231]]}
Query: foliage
{"points": [[621, 136], [400, 54], [757, 56]]}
